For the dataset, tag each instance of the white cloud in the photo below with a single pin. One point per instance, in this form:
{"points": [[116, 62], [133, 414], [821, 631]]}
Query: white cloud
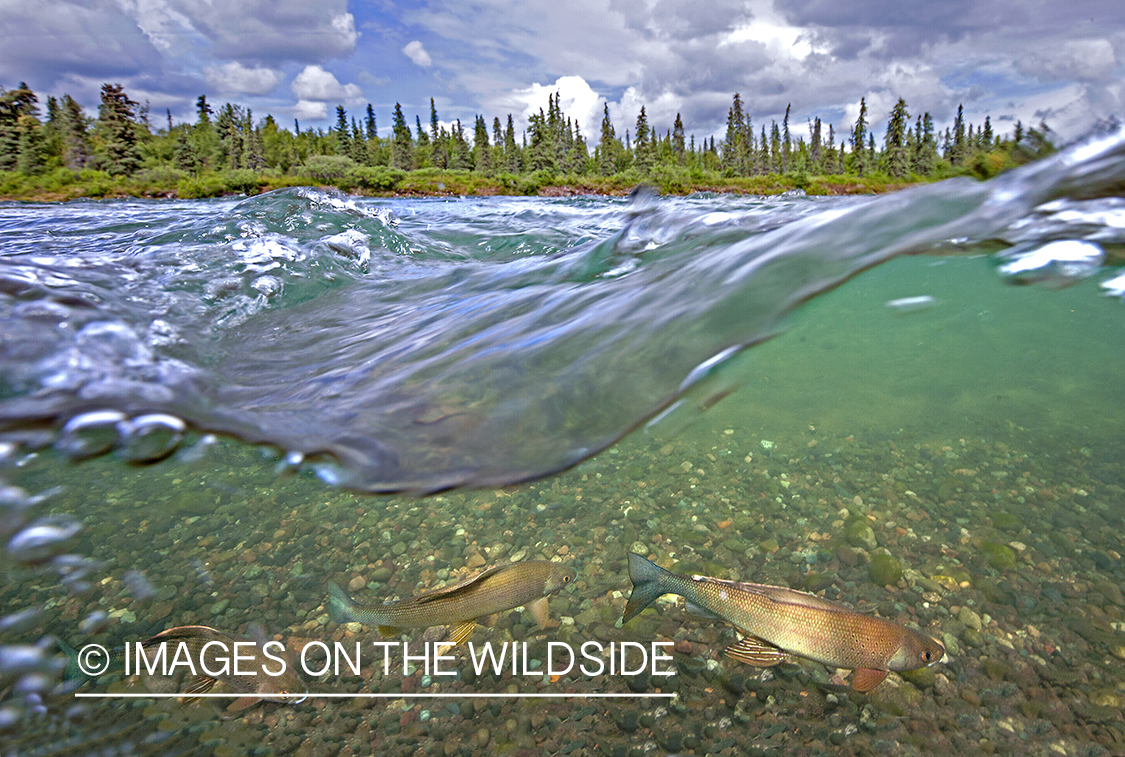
{"points": [[236, 78], [314, 83], [307, 110], [577, 99], [417, 53], [1081, 59]]}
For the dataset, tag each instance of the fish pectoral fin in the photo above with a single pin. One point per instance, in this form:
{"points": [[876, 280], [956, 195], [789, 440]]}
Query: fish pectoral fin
{"points": [[753, 651], [200, 685], [865, 679], [539, 611], [461, 631], [388, 631]]}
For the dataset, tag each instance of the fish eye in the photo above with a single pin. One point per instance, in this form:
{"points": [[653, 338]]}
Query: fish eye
{"points": [[566, 579], [927, 655]]}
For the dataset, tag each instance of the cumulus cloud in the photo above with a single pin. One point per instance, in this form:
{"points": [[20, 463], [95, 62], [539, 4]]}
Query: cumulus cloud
{"points": [[314, 83], [577, 99], [236, 78], [308, 110], [417, 53]]}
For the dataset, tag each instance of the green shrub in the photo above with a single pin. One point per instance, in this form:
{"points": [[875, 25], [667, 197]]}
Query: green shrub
{"points": [[198, 187], [326, 169], [377, 178], [243, 181]]}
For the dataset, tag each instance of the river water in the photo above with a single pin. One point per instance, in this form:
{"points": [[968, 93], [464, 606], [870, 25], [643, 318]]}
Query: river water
{"points": [[211, 409]]}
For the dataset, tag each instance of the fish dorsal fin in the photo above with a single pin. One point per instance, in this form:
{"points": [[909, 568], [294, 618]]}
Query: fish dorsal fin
{"points": [[753, 651], [186, 632], [865, 679], [447, 591], [539, 610], [461, 631], [784, 596]]}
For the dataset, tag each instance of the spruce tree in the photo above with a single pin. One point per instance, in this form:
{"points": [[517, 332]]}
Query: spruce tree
{"points": [[859, 140], [402, 147], [118, 126], [734, 146], [14, 104], [76, 141], [512, 159], [785, 148], [608, 147], [678, 139], [643, 152], [184, 156], [958, 150], [896, 159], [481, 151], [372, 130], [32, 155]]}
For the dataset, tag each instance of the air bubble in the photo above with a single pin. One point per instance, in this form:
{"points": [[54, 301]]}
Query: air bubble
{"points": [[90, 434], [148, 438]]}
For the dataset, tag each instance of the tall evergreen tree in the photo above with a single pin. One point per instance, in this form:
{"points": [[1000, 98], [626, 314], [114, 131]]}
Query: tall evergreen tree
{"points": [[184, 155], [228, 127], [896, 158], [643, 153], [609, 148], [402, 147], [958, 148], [785, 142], [117, 123], [14, 104], [815, 147], [859, 140], [76, 141], [253, 151], [369, 123], [482, 157], [736, 147], [678, 139]]}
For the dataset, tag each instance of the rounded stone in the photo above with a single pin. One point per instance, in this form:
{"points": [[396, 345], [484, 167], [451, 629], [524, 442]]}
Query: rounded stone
{"points": [[884, 570]]}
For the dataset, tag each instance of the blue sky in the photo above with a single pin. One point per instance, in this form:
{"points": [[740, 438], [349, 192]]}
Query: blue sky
{"points": [[1011, 59]]}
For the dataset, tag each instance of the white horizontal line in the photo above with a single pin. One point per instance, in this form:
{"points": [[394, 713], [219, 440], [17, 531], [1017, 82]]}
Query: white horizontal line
{"points": [[370, 695]]}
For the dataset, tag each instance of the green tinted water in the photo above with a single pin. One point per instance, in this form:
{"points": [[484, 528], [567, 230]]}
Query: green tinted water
{"points": [[981, 437]]}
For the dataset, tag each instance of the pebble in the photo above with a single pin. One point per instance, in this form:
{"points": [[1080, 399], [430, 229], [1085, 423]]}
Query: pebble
{"points": [[969, 618]]}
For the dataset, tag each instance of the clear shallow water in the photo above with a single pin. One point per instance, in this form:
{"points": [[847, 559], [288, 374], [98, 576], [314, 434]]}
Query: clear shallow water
{"points": [[422, 344]]}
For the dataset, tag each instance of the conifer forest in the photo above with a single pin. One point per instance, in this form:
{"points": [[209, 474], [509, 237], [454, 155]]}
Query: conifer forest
{"points": [[55, 151]]}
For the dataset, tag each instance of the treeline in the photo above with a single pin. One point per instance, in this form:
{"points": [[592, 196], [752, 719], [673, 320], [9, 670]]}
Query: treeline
{"points": [[122, 151]]}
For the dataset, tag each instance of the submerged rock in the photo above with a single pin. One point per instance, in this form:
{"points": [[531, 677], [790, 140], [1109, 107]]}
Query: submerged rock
{"points": [[884, 569]]}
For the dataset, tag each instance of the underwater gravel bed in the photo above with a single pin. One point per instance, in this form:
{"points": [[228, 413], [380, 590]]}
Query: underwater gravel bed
{"points": [[1009, 555]]}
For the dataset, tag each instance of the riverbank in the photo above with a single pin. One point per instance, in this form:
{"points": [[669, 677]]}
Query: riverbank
{"points": [[63, 184]]}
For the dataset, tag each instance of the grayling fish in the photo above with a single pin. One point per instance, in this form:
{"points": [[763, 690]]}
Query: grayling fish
{"points": [[460, 606], [776, 622]]}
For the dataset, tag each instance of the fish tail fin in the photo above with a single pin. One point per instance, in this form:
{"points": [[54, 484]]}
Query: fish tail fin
{"points": [[341, 608], [649, 582]]}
